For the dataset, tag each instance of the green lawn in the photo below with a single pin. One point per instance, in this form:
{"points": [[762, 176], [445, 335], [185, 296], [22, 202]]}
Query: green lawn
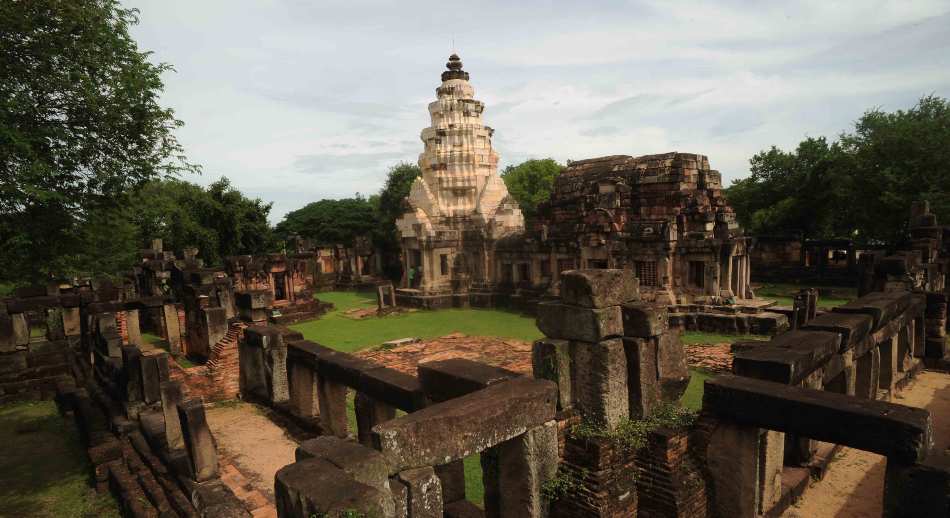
{"points": [[346, 334], [693, 397], [43, 467], [783, 293]]}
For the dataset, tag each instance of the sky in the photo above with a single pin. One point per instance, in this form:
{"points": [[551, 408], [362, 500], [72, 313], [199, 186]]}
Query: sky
{"points": [[297, 101]]}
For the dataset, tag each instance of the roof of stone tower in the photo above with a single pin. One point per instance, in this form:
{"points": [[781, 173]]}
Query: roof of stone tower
{"points": [[454, 69]]}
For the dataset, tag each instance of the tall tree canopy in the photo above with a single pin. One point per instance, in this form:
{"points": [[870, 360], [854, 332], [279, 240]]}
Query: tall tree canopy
{"points": [[859, 186], [390, 204], [531, 182], [80, 125], [330, 221]]}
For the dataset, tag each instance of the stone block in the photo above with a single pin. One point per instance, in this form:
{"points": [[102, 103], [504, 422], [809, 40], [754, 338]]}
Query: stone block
{"points": [[316, 487], [72, 321], [671, 366], [393, 388], [424, 492], [443, 380], [881, 306], [365, 465], [452, 479], [917, 490], [789, 357], [332, 400], [171, 398], [21, 329], [557, 320], [216, 499], [644, 321], [768, 323], [599, 288], [901, 433], [252, 376], [304, 390], [600, 381], [853, 327], [551, 360], [465, 425], [732, 458], [525, 463], [131, 326], [642, 380], [154, 372], [198, 440], [172, 328]]}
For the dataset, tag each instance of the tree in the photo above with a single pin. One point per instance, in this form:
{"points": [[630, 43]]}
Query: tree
{"points": [[330, 221], [390, 206], [860, 186], [80, 125], [218, 220], [531, 182]]}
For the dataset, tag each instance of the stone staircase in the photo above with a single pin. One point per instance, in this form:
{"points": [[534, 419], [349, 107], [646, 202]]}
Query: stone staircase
{"points": [[223, 364]]}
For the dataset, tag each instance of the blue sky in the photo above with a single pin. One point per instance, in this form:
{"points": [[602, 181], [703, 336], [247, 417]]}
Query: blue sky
{"points": [[297, 101]]}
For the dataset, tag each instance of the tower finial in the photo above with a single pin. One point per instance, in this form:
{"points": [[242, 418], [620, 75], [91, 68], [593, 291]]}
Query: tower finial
{"points": [[454, 66]]}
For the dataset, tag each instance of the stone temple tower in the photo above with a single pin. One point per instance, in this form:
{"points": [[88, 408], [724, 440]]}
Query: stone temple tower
{"points": [[459, 207]]}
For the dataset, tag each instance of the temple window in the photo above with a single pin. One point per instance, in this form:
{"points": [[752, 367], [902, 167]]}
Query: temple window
{"points": [[646, 272], [444, 264], [697, 274]]}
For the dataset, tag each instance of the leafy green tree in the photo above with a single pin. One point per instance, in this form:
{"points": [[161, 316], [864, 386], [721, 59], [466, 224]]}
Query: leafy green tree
{"points": [[80, 126], [531, 182], [390, 204], [219, 220], [330, 221], [859, 186]]}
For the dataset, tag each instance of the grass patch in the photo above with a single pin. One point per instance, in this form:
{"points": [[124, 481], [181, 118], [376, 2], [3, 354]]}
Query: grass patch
{"points": [[474, 487], [783, 294], [700, 337], [692, 398], [43, 467], [348, 335]]}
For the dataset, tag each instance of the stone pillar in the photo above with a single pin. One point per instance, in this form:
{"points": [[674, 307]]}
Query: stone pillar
{"points": [[525, 463], [154, 372], [171, 399], [8, 341], [172, 328], [888, 350], [551, 360], [772, 455], [21, 329], [132, 327], [198, 440], [424, 492], [920, 337], [369, 413], [600, 381], [72, 322], [867, 374], [304, 399], [642, 382], [132, 373], [452, 478], [332, 400], [732, 459]]}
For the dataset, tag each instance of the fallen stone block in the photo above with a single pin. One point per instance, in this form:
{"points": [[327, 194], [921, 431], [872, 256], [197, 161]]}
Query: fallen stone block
{"points": [[316, 487], [365, 465], [214, 499], [198, 440]]}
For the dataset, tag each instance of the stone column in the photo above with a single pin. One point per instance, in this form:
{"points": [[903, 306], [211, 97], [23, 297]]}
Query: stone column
{"points": [[452, 478], [304, 398], [72, 322], [888, 350], [867, 374], [551, 360], [525, 463], [369, 413], [732, 459], [332, 400], [198, 440], [132, 373], [172, 328], [424, 492], [132, 326], [154, 372], [171, 399]]}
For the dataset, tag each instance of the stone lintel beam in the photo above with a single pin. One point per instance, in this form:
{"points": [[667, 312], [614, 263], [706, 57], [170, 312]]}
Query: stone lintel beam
{"points": [[789, 357], [902, 433], [599, 288], [557, 320], [881, 306], [443, 380], [392, 387], [853, 327], [465, 425]]}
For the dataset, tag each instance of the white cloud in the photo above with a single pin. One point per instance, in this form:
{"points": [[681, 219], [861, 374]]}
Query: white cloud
{"points": [[295, 101]]}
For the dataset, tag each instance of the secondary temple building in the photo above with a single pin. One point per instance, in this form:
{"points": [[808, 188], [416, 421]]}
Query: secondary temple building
{"points": [[661, 216]]}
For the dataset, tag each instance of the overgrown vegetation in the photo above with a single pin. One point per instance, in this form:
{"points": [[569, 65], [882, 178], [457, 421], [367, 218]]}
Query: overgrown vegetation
{"points": [[631, 434], [564, 483]]}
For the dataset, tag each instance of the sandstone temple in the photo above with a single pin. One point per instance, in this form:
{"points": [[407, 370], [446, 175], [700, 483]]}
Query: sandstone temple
{"points": [[662, 217]]}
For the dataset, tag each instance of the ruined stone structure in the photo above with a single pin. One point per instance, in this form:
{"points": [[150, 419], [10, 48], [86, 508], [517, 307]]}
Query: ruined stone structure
{"points": [[459, 207]]}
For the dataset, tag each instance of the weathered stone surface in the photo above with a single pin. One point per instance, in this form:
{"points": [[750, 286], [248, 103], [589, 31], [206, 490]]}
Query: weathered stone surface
{"points": [[447, 379], [732, 459], [393, 387], [214, 499], [198, 440], [557, 320], [365, 465], [642, 380], [369, 413], [600, 381], [853, 327], [789, 357], [21, 328], [881, 306], [332, 399], [896, 431], [644, 321], [452, 479], [254, 299], [132, 373], [316, 487], [171, 398], [671, 366], [599, 288], [465, 425], [525, 463], [154, 372], [424, 492], [172, 328], [551, 360], [342, 367], [304, 389]]}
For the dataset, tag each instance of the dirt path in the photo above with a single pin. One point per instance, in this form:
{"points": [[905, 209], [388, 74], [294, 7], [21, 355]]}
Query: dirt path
{"points": [[854, 484], [252, 448]]}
